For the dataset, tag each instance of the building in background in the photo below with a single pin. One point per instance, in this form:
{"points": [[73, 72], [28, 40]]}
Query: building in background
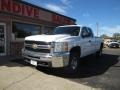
{"points": [[19, 19]]}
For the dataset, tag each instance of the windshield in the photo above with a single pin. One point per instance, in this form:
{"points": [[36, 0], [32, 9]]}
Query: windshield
{"points": [[73, 31]]}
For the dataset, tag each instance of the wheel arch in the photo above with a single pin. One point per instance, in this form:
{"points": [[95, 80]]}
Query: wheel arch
{"points": [[102, 45], [76, 49]]}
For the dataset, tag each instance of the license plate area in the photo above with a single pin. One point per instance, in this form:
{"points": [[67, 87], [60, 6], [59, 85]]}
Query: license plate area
{"points": [[33, 62]]}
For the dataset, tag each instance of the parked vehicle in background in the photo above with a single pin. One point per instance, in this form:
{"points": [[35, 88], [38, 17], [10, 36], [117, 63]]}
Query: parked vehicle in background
{"points": [[63, 48], [113, 45], [119, 41], [107, 42]]}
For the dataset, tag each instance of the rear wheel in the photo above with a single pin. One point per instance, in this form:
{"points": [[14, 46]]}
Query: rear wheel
{"points": [[117, 46], [99, 52]]}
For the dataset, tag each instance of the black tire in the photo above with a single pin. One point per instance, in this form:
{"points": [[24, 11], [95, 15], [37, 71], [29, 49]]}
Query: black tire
{"points": [[117, 46], [73, 63], [99, 52]]}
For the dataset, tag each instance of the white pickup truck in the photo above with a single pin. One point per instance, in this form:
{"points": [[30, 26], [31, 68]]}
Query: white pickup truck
{"points": [[63, 48]]}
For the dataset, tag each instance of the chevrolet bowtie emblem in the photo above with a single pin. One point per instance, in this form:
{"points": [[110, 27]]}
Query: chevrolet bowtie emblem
{"points": [[34, 46]]}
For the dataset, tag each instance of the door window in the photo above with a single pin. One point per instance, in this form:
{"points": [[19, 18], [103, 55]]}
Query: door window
{"points": [[84, 32]]}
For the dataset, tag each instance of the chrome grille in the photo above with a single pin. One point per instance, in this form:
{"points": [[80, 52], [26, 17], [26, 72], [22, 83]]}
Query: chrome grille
{"points": [[36, 46], [37, 42]]}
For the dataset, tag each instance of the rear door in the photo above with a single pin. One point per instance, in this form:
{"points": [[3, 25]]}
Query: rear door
{"points": [[92, 41]]}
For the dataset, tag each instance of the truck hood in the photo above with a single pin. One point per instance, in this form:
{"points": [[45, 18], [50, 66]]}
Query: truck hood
{"points": [[47, 38]]}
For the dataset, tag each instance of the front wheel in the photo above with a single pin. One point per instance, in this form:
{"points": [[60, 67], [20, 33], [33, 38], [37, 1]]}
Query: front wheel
{"points": [[73, 63]]}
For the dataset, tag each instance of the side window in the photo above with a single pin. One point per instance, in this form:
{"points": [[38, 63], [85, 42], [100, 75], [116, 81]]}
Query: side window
{"points": [[84, 32], [90, 32]]}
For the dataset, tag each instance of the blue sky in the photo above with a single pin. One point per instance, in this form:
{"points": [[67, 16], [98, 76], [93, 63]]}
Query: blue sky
{"points": [[88, 12]]}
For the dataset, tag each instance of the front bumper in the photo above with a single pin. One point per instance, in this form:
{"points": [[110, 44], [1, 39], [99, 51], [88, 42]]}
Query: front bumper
{"points": [[55, 60]]}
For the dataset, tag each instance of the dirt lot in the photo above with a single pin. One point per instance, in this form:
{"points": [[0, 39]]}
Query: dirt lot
{"points": [[93, 74]]}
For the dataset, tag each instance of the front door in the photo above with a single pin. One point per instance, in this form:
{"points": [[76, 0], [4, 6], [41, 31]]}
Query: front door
{"points": [[2, 39], [85, 42]]}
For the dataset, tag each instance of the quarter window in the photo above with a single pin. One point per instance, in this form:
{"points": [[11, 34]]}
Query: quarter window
{"points": [[90, 32]]}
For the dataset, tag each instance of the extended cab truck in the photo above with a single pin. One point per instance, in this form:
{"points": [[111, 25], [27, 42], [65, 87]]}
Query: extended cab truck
{"points": [[63, 48]]}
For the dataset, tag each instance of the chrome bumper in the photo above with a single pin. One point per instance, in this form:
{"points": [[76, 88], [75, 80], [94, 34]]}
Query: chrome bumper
{"points": [[55, 60]]}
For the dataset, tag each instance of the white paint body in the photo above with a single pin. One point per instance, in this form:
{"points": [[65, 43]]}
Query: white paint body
{"points": [[88, 45]]}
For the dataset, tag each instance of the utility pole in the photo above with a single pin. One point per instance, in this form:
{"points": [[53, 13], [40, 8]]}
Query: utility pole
{"points": [[97, 24]]}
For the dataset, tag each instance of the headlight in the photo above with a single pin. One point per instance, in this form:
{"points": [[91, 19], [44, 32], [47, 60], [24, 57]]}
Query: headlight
{"points": [[60, 47]]}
